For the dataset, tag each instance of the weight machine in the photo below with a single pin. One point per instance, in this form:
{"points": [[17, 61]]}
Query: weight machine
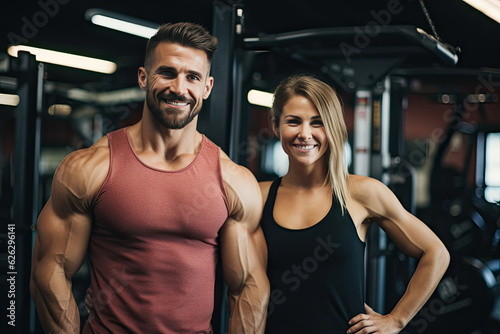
{"points": [[467, 299]]}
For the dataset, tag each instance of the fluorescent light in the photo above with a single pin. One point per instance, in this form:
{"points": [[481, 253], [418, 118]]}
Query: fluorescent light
{"points": [[9, 99], [120, 22], [60, 110], [128, 27], [110, 97], [487, 7], [65, 59], [260, 98]]}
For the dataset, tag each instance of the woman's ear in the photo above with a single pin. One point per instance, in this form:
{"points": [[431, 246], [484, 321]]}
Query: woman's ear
{"points": [[275, 129]]}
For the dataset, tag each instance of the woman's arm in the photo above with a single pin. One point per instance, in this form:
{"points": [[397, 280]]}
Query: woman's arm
{"points": [[415, 239]]}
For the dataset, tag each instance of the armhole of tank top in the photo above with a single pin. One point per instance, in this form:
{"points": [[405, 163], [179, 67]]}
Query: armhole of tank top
{"points": [[100, 190], [347, 216], [219, 176]]}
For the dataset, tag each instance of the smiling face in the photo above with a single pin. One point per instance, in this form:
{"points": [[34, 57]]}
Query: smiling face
{"points": [[176, 83], [301, 132]]}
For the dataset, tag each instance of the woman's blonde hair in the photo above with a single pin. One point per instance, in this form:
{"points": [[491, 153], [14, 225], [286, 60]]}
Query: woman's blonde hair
{"points": [[329, 106]]}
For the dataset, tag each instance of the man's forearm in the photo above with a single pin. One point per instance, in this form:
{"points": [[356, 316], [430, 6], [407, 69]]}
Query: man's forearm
{"points": [[56, 308], [249, 307]]}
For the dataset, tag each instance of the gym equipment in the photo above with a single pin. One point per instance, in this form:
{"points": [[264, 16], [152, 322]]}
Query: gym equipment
{"points": [[459, 213], [30, 75], [464, 301], [467, 299]]}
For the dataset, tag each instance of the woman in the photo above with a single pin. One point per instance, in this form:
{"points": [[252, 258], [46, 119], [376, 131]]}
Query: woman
{"points": [[316, 219]]}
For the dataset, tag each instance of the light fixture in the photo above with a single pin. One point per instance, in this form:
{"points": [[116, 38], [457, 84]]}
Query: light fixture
{"points": [[490, 8], [65, 59], [120, 22], [260, 98], [9, 99], [59, 110]]}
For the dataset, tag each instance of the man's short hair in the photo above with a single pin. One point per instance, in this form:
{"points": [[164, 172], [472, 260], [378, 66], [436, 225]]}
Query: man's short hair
{"points": [[185, 34]]}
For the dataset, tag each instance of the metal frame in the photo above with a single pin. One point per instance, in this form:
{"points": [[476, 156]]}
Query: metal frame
{"points": [[26, 201], [221, 121], [223, 110]]}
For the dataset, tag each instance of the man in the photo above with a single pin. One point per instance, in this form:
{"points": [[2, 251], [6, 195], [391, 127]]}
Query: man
{"points": [[154, 203]]}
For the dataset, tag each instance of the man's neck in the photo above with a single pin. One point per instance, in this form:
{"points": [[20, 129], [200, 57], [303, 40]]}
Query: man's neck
{"points": [[168, 147]]}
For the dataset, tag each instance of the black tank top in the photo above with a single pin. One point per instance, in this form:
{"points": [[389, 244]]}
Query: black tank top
{"points": [[316, 273]]}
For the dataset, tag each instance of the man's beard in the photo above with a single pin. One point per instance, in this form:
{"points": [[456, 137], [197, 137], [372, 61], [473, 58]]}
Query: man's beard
{"points": [[171, 118]]}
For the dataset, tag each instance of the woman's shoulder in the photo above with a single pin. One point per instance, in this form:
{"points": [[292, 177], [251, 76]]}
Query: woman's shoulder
{"points": [[355, 180], [265, 185], [264, 189], [361, 187]]}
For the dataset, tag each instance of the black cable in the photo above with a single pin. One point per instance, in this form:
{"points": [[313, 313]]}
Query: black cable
{"points": [[434, 32]]}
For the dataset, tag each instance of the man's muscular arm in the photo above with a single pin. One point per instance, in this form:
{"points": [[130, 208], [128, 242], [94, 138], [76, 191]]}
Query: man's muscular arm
{"points": [[63, 231], [244, 252]]}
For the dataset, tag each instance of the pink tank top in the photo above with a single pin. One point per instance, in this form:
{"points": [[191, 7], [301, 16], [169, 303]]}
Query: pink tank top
{"points": [[153, 248]]}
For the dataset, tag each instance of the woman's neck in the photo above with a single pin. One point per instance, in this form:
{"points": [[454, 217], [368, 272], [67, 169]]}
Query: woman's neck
{"points": [[305, 176]]}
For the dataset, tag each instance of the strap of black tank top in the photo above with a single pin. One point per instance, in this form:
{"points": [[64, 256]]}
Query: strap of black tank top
{"points": [[273, 190]]}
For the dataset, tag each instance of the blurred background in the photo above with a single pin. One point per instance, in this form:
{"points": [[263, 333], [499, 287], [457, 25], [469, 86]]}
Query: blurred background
{"points": [[419, 81]]}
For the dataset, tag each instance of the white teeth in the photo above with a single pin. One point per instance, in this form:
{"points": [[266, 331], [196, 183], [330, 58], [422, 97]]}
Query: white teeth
{"points": [[177, 103], [305, 147]]}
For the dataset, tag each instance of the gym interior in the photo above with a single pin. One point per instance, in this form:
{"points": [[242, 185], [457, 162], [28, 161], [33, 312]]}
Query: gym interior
{"points": [[420, 85]]}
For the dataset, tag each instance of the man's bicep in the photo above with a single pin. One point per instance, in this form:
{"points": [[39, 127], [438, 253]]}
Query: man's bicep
{"points": [[64, 225], [59, 250], [234, 238], [243, 251], [243, 247], [62, 238]]}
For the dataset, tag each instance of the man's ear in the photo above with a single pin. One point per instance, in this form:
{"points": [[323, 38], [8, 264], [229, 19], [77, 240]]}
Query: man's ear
{"points": [[142, 77], [209, 84]]}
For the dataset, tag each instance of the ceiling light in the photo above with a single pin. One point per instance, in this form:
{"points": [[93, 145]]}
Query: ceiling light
{"points": [[9, 99], [130, 28], [121, 22], [490, 8], [59, 110], [65, 59], [106, 98], [260, 98]]}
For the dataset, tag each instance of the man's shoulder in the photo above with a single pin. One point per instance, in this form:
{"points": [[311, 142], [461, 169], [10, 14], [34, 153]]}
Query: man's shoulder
{"points": [[90, 157], [241, 186], [83, 171], [232, 172]]}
